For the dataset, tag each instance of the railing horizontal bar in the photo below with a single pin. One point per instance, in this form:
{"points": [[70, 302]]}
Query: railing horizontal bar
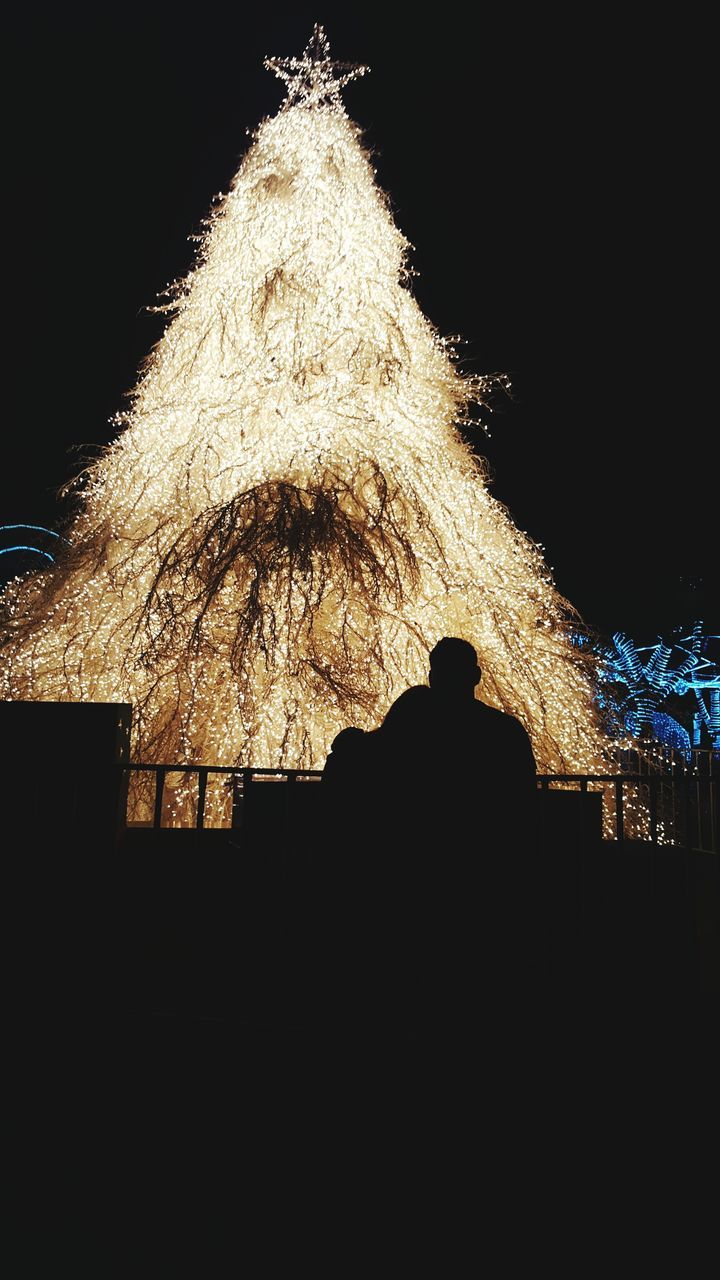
{"points": [[222, 768], [238, 770]]}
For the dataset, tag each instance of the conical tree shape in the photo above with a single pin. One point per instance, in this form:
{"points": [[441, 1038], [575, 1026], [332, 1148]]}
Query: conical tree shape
{"points": [[289, 519]]}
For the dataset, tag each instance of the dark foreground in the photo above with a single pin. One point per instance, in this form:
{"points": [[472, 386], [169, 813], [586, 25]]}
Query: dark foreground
{"points": [[194, 1016], [286, 932]]}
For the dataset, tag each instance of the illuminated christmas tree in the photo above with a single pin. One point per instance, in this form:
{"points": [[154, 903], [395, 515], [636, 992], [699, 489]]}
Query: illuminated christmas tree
{"points": [[289, 518]]}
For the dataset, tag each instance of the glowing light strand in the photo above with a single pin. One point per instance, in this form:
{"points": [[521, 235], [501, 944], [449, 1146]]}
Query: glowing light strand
{"points": [[40, 551], [5, 551]]}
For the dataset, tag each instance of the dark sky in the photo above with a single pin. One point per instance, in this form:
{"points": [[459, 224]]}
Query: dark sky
{"points": [[554, 179]]}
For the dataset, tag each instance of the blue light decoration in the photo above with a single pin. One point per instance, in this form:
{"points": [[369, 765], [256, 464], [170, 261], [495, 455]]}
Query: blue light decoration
{"points": [[670, 732], [19, 547], [635, 686]]}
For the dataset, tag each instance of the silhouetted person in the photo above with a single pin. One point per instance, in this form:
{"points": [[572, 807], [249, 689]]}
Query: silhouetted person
{"points": [[348, 872], [457, 794], [448, 785], [484, 757], [367, 780], [449, 767]]}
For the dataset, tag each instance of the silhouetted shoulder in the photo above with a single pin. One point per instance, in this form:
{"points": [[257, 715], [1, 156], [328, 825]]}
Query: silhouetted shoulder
{"points": [[411, 705], [405, 737], [507, 731]]}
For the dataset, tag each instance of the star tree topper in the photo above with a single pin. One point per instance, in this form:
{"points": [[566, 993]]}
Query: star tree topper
{"points": [[312, 79]]}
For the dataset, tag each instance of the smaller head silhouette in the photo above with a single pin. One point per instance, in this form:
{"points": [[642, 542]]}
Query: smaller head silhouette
{"points": [[454, 670]]}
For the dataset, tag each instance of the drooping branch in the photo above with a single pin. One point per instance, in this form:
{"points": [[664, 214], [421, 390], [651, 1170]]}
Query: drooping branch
{"points": [[271, 556]]}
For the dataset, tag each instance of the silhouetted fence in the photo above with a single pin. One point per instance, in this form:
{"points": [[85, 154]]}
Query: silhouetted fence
{"points": [[678, 808], [200, 796]]}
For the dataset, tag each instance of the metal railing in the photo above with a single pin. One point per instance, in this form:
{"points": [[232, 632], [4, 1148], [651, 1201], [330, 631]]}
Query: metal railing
{"points": [[667, 809], [237, 781], [677, 808]]}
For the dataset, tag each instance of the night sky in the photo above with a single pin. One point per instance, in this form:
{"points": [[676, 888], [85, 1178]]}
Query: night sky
{"points": [[554, 180]]}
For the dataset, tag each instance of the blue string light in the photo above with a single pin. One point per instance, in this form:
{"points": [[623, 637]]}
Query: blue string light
{"points": [[5, 551], [635, 687], [18, 546], [40, 527]]}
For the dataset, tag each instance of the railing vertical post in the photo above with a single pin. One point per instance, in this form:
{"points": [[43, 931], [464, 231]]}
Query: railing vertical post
{"points": [[619, 819], [583, 811], [247, 783], [542, 832], [202, 788], [237, 798], [685, 783], [699, 816], [712, 804], [691, 956], [124, 797], [159, 785], [582, 872], [652, 781]]}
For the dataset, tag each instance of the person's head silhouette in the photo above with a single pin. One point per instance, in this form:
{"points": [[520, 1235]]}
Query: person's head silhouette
{"points": [[454, 669]]}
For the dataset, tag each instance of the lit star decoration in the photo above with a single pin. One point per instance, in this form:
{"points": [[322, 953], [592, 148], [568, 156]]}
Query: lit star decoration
{"points": [[312, 79], [289, 518]]}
